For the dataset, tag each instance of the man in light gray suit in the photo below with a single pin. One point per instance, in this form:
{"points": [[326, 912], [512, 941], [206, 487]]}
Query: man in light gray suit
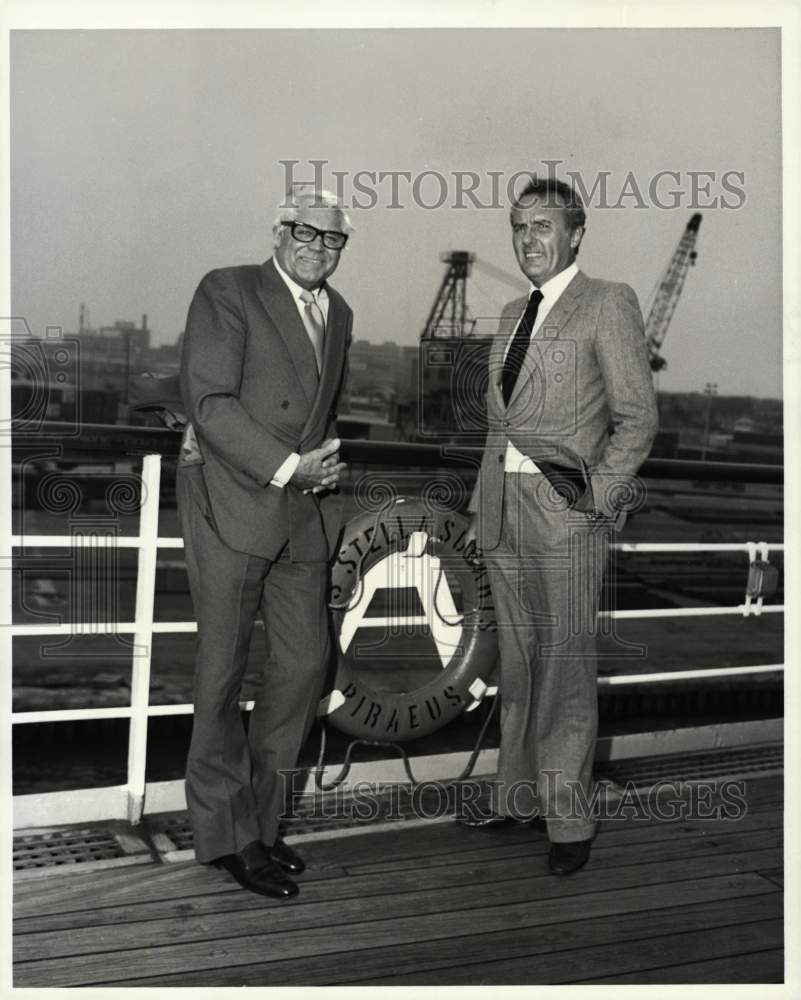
{"points": [[262, 367], [572, 415]]}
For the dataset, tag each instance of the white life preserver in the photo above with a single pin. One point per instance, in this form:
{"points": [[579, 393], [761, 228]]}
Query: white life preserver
{"points": [[410, 547]]}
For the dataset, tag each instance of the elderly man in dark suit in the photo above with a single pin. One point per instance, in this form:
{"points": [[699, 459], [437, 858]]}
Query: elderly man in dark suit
{"points": [[572, 415], [263, 362]]}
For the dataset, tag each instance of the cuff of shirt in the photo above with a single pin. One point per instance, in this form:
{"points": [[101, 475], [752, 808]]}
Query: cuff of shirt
{"points": [[285, 471]]}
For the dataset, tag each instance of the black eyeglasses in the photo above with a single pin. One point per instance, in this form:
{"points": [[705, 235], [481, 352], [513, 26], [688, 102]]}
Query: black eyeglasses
{"points": [[304, 233]]}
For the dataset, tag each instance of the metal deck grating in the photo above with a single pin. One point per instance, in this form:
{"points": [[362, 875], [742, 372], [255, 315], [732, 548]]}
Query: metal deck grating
{"points": [[315, 814], [175, 828], [435, 799], [65, 847], [697, 766]]}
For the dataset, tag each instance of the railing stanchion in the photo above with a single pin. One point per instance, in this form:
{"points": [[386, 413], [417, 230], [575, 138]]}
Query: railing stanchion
{"points": [[143, 636]]}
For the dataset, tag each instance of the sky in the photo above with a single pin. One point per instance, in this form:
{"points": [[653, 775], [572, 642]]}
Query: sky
{"points": [[142, 159]]}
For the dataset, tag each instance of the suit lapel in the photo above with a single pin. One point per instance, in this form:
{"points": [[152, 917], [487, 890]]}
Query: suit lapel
{"points": [[552, 327], [279, 304]]}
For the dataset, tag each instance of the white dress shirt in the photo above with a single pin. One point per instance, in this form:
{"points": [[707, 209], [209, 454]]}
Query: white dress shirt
{"points": [[515, 460], [286, 470]]}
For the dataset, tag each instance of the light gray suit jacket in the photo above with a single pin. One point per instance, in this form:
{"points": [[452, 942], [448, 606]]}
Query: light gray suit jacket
{"points": [[584, 400]]}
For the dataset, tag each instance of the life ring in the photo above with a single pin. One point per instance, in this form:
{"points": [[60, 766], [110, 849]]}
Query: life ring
{"points": [[410, 546]]}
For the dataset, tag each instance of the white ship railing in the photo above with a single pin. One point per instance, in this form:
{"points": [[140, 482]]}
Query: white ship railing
{"points": [[143, 627]]}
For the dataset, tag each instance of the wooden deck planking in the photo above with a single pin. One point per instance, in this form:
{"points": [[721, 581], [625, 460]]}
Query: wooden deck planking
{"points": [[775, 875], [610, 959], [495, 946], [753, 967], [490, 870], [473, 846], [415, 849], [211, 943], [415, 897], [364, 897]]}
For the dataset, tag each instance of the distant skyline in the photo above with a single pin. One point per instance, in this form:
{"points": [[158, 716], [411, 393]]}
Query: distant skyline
{"points": [[142, 159]]}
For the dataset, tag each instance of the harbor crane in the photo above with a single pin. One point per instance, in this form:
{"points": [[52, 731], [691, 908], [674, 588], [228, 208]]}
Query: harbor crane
{"points": [[668, 291], [448, 316]]}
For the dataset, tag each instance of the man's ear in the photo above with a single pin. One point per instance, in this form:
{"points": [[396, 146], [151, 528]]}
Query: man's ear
{"points": [[277, 234], [576, 237]]}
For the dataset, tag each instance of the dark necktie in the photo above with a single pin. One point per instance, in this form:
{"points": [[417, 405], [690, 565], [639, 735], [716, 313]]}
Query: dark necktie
{"points": [[519, 346]]}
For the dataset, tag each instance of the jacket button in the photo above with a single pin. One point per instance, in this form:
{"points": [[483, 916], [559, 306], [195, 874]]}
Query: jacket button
{"points": [[506, 423], [500, 458]]}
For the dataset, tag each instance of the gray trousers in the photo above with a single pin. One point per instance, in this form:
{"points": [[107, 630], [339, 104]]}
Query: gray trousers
{"points": [[546, 578], [236, 783]]}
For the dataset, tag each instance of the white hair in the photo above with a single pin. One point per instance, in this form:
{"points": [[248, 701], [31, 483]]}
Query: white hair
{"points": [[307, 195]]}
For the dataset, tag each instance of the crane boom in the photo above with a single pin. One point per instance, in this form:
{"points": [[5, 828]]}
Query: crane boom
{"points": [[668, 292]]}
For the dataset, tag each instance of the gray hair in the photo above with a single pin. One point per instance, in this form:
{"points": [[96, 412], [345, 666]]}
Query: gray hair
{"points": [[308, 196]]}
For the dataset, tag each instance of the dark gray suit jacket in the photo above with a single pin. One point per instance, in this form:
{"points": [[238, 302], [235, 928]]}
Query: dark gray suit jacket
{"points": [[250, 387], [584, 398]]}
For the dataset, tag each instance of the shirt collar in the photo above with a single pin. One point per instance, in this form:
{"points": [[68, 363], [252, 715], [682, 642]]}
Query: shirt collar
{"points": [[553, 287], [319, 294]]}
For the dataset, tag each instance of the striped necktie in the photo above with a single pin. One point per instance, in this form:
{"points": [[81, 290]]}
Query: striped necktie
{"points": [[519, 346], [315, 325]]}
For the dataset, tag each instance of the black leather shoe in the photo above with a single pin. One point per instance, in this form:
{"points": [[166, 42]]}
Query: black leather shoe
{"points": [[288, 859], [566, 858], [254, 870]]}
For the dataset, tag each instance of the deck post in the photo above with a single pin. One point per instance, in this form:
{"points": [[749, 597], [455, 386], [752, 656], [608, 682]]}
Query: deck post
{"points": [[143, 636]]}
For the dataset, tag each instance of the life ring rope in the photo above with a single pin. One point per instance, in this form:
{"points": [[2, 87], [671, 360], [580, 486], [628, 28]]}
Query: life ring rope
{"points": [[467, 770]]}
